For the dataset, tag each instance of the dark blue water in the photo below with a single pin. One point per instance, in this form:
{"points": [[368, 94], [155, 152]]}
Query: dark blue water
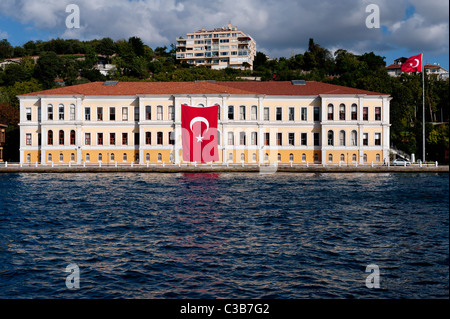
{"points": [[224, 235]]}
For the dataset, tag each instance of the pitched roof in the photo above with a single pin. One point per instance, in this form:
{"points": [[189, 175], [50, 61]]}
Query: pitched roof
{"points": [[311, 88]]}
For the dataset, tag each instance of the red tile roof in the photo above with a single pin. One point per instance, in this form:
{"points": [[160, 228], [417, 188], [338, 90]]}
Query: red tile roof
{"points": [[312, 88]]}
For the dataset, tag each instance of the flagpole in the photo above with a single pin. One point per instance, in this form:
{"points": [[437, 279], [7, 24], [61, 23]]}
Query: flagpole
{"points": [[423, 109]]}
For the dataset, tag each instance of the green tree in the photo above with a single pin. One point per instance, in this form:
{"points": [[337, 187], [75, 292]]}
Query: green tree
{"points": [[6, 50], [49, 66]]}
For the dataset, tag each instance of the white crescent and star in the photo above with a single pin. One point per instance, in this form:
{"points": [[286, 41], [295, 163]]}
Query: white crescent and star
{"points": [[199, 119]]}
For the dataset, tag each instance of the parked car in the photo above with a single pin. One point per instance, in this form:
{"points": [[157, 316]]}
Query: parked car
{"points": [[400, 162]]}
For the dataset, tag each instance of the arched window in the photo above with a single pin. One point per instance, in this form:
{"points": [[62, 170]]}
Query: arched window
{"points": [[230, 157], [279, 157], [147, 157], [342, 158], [100, 157], [254, 157], [61, 137], [72, 112], [50, 112], [354, 112], [378, 158], [159, 157], [88, 157], [342, 138], [49, 157], [28, 158], [231, 112], [112, 157], [291, 157], [72, 157], [304, 157], [354, 158], [330, 138], [330, 158], [354, 138], [242, 157], [365, 158], [72, 137], [148, 113], [254, 113], [50, 137], [266, 157], [61, 157], [316, 158], [342, 112], [124, 157], [61, 112], [330, 112]]}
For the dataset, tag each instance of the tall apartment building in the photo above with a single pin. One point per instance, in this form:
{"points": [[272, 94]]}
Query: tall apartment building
{"points": [[218, 49], [259, 122]]}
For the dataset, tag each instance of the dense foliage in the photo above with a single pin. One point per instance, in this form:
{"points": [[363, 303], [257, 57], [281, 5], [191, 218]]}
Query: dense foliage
{"points": [[74, 61]]}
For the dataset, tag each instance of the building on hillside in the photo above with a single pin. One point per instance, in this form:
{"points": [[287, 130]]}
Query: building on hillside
{"points": [[220, 48], [2, 140], [259, 122], [430, 69]]}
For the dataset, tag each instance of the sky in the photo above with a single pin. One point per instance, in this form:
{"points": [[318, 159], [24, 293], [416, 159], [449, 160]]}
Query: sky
{"points": [[281, 28]]}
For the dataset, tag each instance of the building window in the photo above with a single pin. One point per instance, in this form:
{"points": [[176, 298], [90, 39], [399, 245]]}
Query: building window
{"points": [[39, 114], [342, 112], [230, 138], [330, 158], [124, 157], [28, 113], [254, 113], [230, 157], [354, 157], [87, 138], [148, 113], [304, 114], [218, 138], [28, 139], [365, 139], [136, 139], [316, 114], [330, 112], [72, 112], [365, 113], [291, 157], [342, 138], [292, 114], [72, 157], [303, 157], [61, 112], [99, 138], [159, 157], [279, 138], [124, 138], [171, 138], [266, 157], [112, 138], [100, 157], [147, 157], [172, 113], [99, 114], [148, 138], [279, 114], [242, 112], [266, 114], [136, 113], [354, 112], [61, 157], [112, 158], [242, 138], [231, 112], [291, 139], [304, 138], [61, 137], [354, 138], [112, 113], [378, 114], [342, 158], [316, 158], [72, 137], [87, 113], [88, 157], [365, 158], [267, 139], [242, 157], [378, 158], [330, 138], [159, 112], [50, 112], [254, 138], [124, 114], [254, 157], [279, 157], [50, 137], [159, 137], [316, 139], [377, 139]]}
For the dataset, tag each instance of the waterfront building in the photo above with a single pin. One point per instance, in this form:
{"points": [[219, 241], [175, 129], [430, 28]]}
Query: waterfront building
{"points": [[220, 48], [259, 122], [2, 140]]}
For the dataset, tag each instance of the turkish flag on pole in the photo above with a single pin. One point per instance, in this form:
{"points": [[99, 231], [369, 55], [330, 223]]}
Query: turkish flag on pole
{"points": [[413, 64], [199, 133]]}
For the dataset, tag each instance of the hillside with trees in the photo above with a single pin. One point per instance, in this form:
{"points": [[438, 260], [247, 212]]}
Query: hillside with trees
{"points": [[74, 62]]}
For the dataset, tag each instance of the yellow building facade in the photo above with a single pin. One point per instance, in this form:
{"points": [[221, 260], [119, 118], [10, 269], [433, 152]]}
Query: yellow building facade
{"points": [[259, 122]]}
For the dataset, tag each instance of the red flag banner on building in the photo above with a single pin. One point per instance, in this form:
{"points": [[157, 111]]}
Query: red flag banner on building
{"points": [[413, 64], [199, 133]]}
